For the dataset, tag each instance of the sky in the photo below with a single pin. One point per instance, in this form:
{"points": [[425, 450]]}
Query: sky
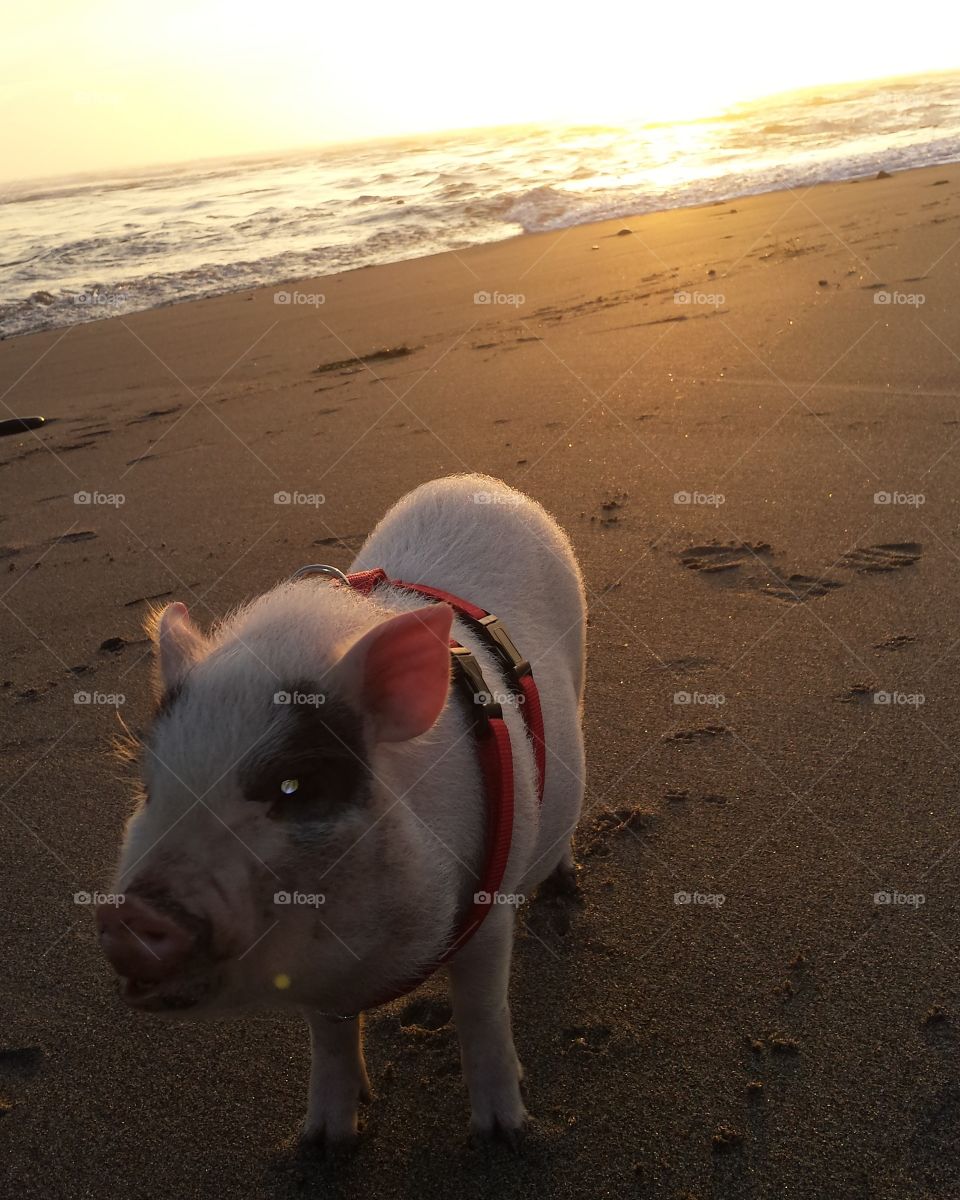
{"points": [[94, 85]]}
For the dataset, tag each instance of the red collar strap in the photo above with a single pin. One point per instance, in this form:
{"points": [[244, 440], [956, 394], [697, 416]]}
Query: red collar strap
{"points": [[494, 749]]}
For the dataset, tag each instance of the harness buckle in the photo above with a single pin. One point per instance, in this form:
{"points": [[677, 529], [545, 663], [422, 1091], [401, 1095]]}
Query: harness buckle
{"points": [[503, 643], [472, 682]]}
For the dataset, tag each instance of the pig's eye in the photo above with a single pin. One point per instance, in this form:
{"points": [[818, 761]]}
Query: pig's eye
{"points": [[289, 786]]}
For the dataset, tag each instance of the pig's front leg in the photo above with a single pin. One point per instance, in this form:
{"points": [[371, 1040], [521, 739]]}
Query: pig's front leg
{"points": [[338, 1080], [479, 976]]}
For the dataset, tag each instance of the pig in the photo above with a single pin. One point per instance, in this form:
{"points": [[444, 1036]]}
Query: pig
{"points": [[311, 818]]}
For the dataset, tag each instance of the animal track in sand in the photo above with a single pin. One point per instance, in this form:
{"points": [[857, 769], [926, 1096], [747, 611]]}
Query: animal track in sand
{"points": [[858, 693], [75, 535], [690, 663], [889, 556], [154, 414], [700, 734], [359, 361], [350, 540], [895, 642]]}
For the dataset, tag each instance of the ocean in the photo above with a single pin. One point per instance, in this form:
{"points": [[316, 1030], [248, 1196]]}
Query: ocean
{"points": [[89, 248]]}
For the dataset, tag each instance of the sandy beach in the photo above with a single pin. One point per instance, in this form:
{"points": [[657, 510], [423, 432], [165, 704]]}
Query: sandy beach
{"points": [[747, 417]]}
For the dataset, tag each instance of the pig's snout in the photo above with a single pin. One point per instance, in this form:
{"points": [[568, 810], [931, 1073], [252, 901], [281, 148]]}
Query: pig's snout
{"points": [[141, 942]]}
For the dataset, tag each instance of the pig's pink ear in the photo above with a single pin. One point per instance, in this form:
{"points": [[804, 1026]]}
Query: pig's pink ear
{"points": [[179, 644], [402, 671]]}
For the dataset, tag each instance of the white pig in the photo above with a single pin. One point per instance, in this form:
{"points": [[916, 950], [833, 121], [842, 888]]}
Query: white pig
{"points": [[317, 853]]}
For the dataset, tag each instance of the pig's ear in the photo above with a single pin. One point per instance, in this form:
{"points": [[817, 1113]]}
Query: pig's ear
{"points": [[401, 671], [179, 643]]}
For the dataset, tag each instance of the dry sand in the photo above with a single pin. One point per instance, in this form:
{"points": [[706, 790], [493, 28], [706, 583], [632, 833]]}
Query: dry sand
{"points": [[800, 1039]]}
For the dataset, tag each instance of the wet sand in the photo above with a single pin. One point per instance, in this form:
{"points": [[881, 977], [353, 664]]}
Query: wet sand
{"points": [[711, 404]]}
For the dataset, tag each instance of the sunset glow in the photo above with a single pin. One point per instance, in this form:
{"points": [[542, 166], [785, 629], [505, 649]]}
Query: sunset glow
{"points": [[114, 84]]}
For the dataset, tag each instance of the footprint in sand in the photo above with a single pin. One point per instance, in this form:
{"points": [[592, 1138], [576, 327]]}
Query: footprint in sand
{"points": [[426, 1014], [889, 556], [794, 589], [714, 558], [726, 560]]}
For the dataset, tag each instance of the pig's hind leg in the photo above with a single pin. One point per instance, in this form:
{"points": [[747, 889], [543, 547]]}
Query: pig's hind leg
{"points": [[479, 977], [338, 1080]]}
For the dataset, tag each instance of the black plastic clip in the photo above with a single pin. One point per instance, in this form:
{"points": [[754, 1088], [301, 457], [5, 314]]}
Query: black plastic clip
{"points": [[501, 641], [472, 682]]}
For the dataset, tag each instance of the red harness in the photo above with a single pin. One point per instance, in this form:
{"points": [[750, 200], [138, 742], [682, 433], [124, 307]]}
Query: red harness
{"points": [[492, 736], [493, 742]]}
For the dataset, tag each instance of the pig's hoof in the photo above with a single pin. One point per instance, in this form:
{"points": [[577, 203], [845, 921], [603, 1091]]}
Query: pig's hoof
{"points": [[561, 882], [509, 1132], [326, 1142]]}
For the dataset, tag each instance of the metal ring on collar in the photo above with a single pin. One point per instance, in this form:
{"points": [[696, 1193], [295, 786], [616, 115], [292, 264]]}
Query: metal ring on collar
{"points": [[319, 569]]}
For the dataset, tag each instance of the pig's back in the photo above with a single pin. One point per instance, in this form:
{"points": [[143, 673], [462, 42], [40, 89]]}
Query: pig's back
{"points": [[477, 538]]}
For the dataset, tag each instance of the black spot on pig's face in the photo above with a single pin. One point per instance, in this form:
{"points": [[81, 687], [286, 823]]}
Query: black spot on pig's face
{"points": [[314, 765]]}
